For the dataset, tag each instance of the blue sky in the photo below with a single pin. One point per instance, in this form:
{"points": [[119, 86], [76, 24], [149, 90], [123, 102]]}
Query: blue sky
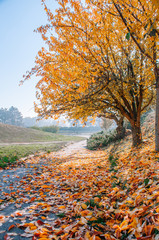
{"points": [[18, 48]]}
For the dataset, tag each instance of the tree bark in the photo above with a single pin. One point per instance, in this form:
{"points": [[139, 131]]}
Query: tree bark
{"points": [[136, 135], [120, 128]]}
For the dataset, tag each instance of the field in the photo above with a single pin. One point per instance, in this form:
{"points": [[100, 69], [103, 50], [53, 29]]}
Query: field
{"points": [[14, 134], [30, 142], [9, 154]]}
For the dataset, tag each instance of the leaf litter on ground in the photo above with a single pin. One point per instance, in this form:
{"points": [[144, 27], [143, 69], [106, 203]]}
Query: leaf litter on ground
{"points": [[86, 196]]}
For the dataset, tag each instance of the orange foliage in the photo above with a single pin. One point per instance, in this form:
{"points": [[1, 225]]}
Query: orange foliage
{"points": [[100, 57], [90, 197]]}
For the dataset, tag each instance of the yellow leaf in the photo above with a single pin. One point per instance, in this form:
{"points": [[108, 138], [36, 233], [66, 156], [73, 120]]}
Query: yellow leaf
{"points": [[33, 227], [157, 210], [83, 221], [124, 225], [93, 219], [43, 238], [29, 224], [87, 236], [86, 213], [134, 222], [100, 213], [45, 186], [84, 206], [62, 207], [96, 199]]}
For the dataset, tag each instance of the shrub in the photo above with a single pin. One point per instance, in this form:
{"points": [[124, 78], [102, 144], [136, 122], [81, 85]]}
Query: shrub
{"points": [[52, 129], [101, 139], [36, 128]]}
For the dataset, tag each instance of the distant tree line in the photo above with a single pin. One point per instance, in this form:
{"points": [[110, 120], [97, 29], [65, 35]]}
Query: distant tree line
{"points": [[52, 129], [79, 129], [11, 116], [76, 129]]}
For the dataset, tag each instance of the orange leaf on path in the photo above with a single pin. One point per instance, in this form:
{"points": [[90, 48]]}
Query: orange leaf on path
{"points": [[12, 226], [62, 207]]}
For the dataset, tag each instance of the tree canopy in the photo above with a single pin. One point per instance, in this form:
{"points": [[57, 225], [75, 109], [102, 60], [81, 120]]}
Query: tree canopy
{"points": [[95, 63]]}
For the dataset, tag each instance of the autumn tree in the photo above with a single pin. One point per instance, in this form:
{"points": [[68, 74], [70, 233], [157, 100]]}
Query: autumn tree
{"points": [[123, 92], [90, 67], [156, 4], [140, 19]]}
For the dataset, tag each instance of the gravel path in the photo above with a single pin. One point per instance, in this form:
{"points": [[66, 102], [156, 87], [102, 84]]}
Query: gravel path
{"points": [[72, 149]]}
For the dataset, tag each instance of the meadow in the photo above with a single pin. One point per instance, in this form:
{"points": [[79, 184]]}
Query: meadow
{"points": [[30, 142]]}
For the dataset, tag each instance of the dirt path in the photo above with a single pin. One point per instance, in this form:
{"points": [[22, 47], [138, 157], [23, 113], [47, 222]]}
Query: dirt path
{"points": [[50, 142], [28, 143], [16, 200], [72, 149], [81, 194]]}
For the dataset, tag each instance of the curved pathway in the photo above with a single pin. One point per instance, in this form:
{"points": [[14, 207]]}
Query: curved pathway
{"points": [[72, 149], [12, 182]]}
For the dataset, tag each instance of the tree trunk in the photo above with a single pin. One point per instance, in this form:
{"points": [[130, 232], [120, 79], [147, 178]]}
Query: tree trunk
{"points": [[121, 131], [157, 111], [120, 128], [136, 135]]}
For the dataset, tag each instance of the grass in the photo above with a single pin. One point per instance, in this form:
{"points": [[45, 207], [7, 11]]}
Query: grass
{"points": [[5, 161], [14, 134], [9, 154]]}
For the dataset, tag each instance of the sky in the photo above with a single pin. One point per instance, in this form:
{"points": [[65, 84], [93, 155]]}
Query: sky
{"points": [[19, 45]]}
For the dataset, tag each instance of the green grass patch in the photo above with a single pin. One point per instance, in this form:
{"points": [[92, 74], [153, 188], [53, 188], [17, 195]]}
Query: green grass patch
{"points": [[91, 204], [40, 142], [61, 215], [5, 161], [113, 163], [9, 154]]}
